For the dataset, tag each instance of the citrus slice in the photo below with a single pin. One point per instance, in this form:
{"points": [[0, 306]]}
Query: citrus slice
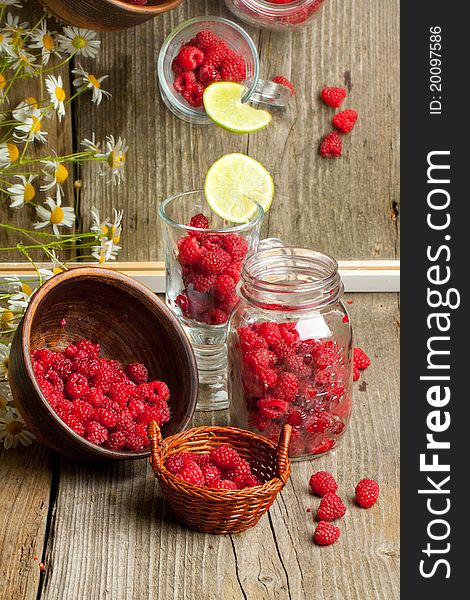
{"points": [[234, 184], [223, 103]]}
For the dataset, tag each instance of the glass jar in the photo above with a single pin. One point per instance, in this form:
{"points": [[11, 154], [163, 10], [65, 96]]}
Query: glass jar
{"points": [[203, 267], [274, 14], [290, 350]]}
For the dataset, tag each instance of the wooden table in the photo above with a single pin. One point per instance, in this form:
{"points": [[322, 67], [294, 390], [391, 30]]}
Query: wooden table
{"points": [[103, 531]]}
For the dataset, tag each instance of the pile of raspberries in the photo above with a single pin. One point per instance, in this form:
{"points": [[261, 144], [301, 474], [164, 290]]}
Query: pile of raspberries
{"points": [[300, 382], [331, 506], [205, 59], [211, 265], [331, 145], [222, 469], [98, 399]]}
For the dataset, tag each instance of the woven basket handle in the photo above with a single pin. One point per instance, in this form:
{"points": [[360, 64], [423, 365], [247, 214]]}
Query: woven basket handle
{"points": [[282, 453], [156, 441]]}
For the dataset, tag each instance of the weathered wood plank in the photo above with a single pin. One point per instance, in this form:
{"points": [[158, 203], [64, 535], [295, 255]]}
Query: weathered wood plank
{"points": [[346, 207], [113, 536]]}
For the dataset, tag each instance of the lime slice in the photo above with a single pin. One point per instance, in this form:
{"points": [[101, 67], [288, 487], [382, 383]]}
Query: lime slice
{"points": [[223, 103], [234, 183]]}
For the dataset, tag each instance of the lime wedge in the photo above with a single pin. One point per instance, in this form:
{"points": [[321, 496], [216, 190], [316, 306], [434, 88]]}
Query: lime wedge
{"points": [[223, 103], [234, 183]]}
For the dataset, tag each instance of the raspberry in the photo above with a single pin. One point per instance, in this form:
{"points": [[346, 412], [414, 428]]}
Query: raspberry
{"points": [[287, 386], [116, 441], [183, 81], [211, 474], [215, 57], [356, 373], [296, 417], [71, 351], [367, 493], [270, 332], [190, 57], [284, 81], [216, 317], [158, 391], [331, 508], [141, 430], [88, 348], [202, 459], [233, 68], [190, 250], [323, 447], [224, 287], [182, 301], [135, 407], [38, 369], [137, 372], [215, 261], [333, 96], [250, 340], [106, 417], [193, 95], [235, 245], [104, 378], [191, 473], [345, 120], [207, 74], [272, 408], [199, 221], [205, 40], [54, 378], [361, 360], [260, 360], [234, 270], [176, 462], [331, 146], [82, 410], [225, 457], [158, 412], [135, 442], [46, 357], [288, 332], [85, 366], [76, 385], [322, 483], [95, 397], [64, 406], [325, 534], [243, 481], [76, 424], [203, 283], [224, 484], [96, 433], [321, 422]]}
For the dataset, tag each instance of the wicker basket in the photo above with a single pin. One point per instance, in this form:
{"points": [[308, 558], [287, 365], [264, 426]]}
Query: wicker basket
{"points": [[221, 511]]}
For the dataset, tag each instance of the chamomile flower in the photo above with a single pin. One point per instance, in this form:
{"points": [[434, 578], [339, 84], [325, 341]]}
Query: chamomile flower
{"points": [[4, 156], [55, 215], [91, 145], [55, 267], [8, 321], [24, 60], [30, 127], [44, 40], [85, 80], [6, 399], [25, 108], [57, 94], [4, 361], [23, 192], [111, 230], [55, 174], [115, 156], [80, 42], [17, 28], [6, 42], [107, 250], [13, 430], [18, 302], [17, 284]]}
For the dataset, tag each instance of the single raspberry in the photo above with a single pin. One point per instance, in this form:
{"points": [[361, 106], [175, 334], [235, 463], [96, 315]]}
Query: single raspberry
{"points": [[367, 493], [361, 360], [176, 461], [289, 333], [216, 56], [322, 483], [320, 423], [258, 421], [224, 287], [250, 340], [199, 221], [182, 301], [331, 146], [38, 368], [159, 412], [76, 386], [270, 332], [296, 417], [286, 386], [284, 81], [64, 406], [234, 270], [90, 349], [193, 95], [345, 120], [95, 397], [137, 372], [75, 423], [86, 366], [104, 378], [260, 360], [233, 68], [141, 430], [116, 441], [82, 410], [96, 433], [106, 417], [203, 283], [135, 407], [211, 474], [323, 447], [54, 378], [206, 39], [135, 442], [207, 74], [325, 534], [125, 423], [190, 57], [46, 357], [216, 317], [202, 459], [356, 373], [175, 66], [190, 250], [183, 81], [331, 508], [225, 457], [333, 96], [71, 351], [272, 408], [235, 245], [245, 480], [191, 473], [158, 391], [215, 261], [121, 392], [224, 484]]}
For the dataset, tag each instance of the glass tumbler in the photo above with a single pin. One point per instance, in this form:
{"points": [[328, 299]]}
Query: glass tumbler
{"points": [[272, 14], [290, 350], [257, 91], [204, 255]]}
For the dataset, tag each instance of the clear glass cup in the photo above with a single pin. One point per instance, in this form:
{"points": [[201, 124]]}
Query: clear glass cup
{"points": [[290, 354], [203, 267], [257, 91], [270, 15]]}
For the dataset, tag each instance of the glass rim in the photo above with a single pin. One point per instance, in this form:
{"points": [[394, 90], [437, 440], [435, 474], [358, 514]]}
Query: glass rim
{"points": [[279, 9], [232, 229]]}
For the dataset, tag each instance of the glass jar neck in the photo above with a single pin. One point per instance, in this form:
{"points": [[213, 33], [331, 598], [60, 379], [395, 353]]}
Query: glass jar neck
{"points": [[291, 279]]}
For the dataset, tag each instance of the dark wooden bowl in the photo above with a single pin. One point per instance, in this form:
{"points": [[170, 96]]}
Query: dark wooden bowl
{"points": [[130, 323], [106, 15]]}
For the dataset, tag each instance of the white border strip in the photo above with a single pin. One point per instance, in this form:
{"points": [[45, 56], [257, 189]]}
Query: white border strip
{"points": [[357, 275]]}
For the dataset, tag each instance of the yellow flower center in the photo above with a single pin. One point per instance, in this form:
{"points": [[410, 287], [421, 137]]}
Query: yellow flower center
{"points": [[31, 102], [29, 192], [116, 160], [13, 152], [7, 316], [61, 173], [102, 257], [14, 427], [2, 37], [92, 79], [25, 59], [57, 270], [3, 82], [79, 42], [56, 216], [36, 125], [59, 94], [26, 289], [48, 42], [116, 235]]}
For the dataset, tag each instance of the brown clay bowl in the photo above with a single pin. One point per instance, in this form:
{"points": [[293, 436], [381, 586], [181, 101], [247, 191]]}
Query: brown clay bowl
{"points": [[130, 323], [106, 15]]}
